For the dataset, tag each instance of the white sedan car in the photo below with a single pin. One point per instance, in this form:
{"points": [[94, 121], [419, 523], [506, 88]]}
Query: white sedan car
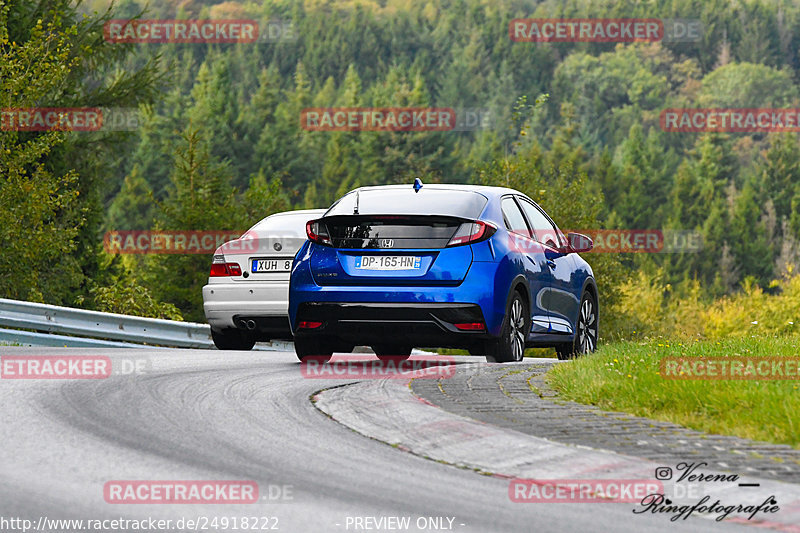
{"points": [[247, 296]]}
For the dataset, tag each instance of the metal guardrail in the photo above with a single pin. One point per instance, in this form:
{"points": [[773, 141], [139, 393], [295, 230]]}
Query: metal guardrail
{"points": [[94, 324], [34, 338]]}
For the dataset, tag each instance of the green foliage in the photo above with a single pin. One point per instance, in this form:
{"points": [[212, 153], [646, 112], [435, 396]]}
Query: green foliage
{"points": [[202, 197], [747, 85], [572, 202], [133, 206], [263, 198], [133, 300], [606, 88], [650, 307], [780, 172], [575, 125], [40, 211], [51, 189], [600, 114]]}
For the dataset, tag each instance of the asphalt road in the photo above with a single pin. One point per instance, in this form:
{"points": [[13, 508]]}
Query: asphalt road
{"points": [[209, 415]]}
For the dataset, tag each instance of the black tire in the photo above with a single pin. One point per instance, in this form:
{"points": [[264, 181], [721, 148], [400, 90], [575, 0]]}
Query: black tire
{"points": [[392, 352], [319, 349], [586, 333], [232, 339], [510, 345]]}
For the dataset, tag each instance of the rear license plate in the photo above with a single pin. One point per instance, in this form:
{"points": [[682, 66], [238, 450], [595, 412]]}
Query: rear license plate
{"points": [[388, 262], [279, 264]]}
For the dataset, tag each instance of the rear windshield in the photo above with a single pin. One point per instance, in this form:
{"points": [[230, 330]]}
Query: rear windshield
{"points": [[391, 232], [288, 225], [428, 201]]}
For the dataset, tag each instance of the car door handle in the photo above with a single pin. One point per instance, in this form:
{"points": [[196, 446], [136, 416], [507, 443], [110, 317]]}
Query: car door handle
{"points": [[551, 263]]}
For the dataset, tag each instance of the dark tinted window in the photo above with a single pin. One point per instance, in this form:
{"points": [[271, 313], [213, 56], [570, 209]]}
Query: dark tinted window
{"points": [[428, 201], [513, 217], [543, 230], [391, 232]]}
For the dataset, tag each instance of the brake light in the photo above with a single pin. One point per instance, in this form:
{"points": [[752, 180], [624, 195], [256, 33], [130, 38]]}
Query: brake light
{"points": [[317, 232], [471, 326], [220, 268], [305, 324], [472, 232]]}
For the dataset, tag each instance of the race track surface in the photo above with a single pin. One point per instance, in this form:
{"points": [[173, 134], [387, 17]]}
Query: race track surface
{"points": [[210, 415]]}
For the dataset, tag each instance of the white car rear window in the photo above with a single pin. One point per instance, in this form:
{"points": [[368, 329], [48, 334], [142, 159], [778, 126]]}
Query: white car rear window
{"points": [[289, 225]]}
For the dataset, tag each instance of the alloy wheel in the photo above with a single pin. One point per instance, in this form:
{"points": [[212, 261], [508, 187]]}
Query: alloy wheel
{"points": [[517, 330], [587, 327]]}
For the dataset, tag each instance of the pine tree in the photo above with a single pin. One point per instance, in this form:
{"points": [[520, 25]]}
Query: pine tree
{"points": [[132, 207], [780, 172], [201, 197]]}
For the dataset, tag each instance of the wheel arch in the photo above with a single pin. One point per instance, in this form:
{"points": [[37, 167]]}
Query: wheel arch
{"points": [[590, 286], [519, 284], [502, 298]]}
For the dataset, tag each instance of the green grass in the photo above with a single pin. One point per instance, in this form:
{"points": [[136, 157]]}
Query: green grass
{"points": [[626, 376]]}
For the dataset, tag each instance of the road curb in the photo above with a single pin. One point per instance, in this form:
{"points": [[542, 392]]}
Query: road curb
{"points": [[388, 411]]}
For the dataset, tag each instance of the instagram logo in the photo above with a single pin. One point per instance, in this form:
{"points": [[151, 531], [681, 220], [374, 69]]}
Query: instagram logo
{"points": [[663, 473]]}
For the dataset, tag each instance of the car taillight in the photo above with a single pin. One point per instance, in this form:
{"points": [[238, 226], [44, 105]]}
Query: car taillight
{"points": [[472, 232], [220, 268], [470, 326], [317, 232], [308, 324]]}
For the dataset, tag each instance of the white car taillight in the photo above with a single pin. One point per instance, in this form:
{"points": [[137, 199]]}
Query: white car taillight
{"points": [[220, 268]]}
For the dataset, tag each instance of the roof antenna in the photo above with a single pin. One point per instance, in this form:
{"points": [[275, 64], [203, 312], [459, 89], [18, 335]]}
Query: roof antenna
{"points": [[355, 207], [417, 184]]}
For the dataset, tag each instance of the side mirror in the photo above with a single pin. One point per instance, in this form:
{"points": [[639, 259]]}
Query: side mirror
{"points": [[554, 251], [579, 242]]}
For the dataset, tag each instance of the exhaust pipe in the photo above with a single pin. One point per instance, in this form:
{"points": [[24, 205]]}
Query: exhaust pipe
{"points": [[241, 324], [251, 324]]}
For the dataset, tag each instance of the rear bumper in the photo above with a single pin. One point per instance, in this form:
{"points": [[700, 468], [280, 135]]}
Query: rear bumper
{"points": [[414, 324], [266, 303], [381, 313]]}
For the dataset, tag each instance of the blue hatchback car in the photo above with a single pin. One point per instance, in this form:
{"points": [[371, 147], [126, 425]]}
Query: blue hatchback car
{"points": [[458, 266]]}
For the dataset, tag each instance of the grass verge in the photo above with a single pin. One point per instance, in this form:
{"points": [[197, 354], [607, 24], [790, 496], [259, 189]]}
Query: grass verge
{"points": [[626, 376]]}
